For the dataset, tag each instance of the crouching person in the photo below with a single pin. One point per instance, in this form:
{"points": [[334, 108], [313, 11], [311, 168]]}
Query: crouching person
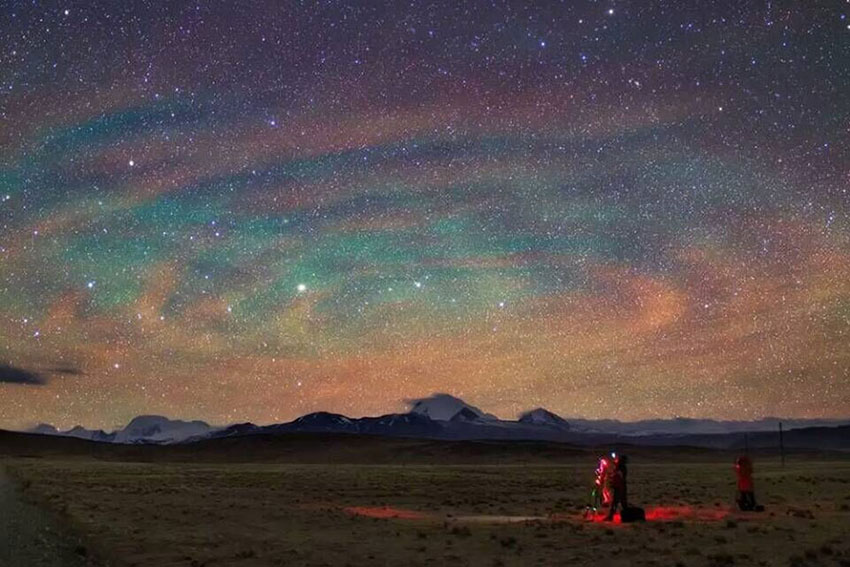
{"points": [[746, 497]]}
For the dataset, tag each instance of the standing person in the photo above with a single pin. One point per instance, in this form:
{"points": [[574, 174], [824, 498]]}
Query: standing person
{"points": [[746, 489], [601, 494], [619, 486]]}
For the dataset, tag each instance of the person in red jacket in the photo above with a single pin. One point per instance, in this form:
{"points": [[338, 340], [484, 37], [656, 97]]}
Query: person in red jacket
{"points": [[746, 488], [619, 486]]}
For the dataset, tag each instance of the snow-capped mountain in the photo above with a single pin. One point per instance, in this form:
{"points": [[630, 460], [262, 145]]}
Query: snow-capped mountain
{"points": [[159, 429], [443, 407], [544, 417], [78, 432], [142, 429]]}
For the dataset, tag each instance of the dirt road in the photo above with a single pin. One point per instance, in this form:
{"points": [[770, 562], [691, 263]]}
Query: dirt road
{"points": [[28, 536]]}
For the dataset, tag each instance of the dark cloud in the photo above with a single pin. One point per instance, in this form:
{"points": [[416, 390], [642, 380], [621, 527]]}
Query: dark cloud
{"points": [[66, 370], [14, 375]]}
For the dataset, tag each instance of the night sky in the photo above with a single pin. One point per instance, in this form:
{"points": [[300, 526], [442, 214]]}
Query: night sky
{"points": [[248, 211]]}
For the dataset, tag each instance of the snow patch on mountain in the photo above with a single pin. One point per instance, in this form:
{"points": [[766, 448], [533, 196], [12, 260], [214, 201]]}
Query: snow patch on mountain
{"points": [[466, 415], [444, 407], [544, 417]]}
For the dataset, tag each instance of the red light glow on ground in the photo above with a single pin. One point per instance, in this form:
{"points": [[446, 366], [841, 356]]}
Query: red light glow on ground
{"points": [[671, 513], [385, 512], [655, 514]]}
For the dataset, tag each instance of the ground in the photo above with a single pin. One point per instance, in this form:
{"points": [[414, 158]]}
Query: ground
{"points": [[30, 537], [167, 514]]}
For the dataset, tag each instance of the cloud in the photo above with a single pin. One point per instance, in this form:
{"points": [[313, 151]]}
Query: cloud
{"points": [[66, 370], [13, 375]]}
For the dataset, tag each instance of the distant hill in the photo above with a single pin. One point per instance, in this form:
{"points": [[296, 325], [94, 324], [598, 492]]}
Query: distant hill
{"points": [[330, 448], [316, 448], [446, 417], [820, 438], [684, 425]]}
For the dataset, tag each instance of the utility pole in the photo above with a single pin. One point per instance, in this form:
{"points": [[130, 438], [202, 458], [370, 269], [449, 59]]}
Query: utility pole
{"points": [[781, 445]]}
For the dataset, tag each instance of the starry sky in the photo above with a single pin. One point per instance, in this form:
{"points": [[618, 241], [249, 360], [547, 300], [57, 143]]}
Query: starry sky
{"points": [[247, 211]]}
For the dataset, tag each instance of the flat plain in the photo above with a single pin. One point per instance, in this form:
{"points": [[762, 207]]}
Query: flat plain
{"points": [[258, 514]]}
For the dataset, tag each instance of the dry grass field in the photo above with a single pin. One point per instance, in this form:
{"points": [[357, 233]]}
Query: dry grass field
{"points": [[277, 514]]}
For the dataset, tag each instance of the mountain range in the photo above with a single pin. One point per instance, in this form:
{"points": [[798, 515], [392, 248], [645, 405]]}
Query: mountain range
{"points": [[141, 429], [442, 416]]}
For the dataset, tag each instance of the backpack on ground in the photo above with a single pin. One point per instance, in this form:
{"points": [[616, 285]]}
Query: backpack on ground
{"points": [[632, 514]]}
